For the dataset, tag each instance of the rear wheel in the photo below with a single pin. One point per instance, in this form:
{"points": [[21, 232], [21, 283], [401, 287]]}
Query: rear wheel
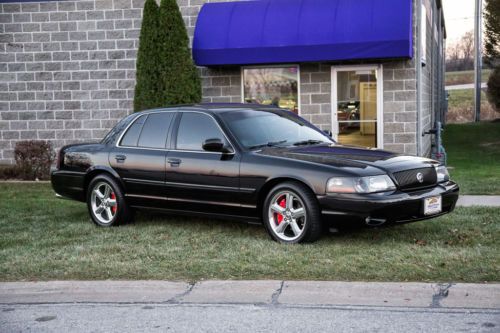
{"points": [[106, 202], [291, 214]]}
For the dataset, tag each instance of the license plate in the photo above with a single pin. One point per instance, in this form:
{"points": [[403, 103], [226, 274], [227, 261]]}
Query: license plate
{"points": [[432, 205]]}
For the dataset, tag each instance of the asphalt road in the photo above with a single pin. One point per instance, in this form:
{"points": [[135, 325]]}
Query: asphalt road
{"points": [[240, 318]]}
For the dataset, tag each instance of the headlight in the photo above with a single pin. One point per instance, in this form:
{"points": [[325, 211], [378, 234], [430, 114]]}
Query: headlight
{"points": [[360, 185], [442, 174]]}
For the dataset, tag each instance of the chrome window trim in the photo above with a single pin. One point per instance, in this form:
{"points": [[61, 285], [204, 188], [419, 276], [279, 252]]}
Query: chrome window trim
{"points": [[202, 152], [140, 148], [146, 113], [118, 145]]}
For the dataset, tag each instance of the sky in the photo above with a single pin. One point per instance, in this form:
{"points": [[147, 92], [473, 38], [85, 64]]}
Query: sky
{"points": [[459, 17]]}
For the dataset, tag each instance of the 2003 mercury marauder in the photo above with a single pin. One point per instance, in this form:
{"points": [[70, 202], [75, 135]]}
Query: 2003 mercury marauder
{"points": [[251, 163]]}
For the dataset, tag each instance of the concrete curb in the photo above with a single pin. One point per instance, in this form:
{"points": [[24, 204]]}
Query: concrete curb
{"points": [[91, 291], [265, 292]]}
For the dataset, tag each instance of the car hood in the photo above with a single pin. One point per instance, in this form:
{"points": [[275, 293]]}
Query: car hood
{"points": [[346, 156]]}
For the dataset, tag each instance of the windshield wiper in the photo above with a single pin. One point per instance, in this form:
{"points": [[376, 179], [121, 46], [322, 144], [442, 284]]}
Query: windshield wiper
{"points": [[269, 144], [308, 142]]}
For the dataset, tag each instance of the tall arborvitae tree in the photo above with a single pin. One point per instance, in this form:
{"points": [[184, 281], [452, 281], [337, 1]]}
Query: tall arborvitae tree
{"points": [[492, 32], [147, 89], [179, 77]]}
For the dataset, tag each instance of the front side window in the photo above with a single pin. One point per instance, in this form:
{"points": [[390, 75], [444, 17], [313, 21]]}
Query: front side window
{"points": [[195, 129], [272, 86]]}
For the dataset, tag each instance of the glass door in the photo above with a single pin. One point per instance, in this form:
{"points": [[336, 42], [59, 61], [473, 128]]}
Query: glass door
{"points": [[356, 106]]}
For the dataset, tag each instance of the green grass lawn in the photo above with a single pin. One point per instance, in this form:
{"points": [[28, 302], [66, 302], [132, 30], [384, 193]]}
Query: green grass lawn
{"points": [[465, 77], [474, 155], [461, 106], [465, 97], [43, 238]]}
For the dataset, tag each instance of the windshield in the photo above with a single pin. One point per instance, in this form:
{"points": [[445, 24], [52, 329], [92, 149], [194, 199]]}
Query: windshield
{"points": [[256, 129]]}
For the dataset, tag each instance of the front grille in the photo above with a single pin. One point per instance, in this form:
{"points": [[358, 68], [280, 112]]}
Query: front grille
{"points": [[408, 180]]}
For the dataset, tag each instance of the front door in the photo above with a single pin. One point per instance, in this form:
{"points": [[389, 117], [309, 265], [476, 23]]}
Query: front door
{"points": [[198, 180], [357, 106]]}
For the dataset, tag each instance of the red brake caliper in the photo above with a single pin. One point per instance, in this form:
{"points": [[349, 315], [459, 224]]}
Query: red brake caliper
{"points": [[278, 216], [113, 197]]}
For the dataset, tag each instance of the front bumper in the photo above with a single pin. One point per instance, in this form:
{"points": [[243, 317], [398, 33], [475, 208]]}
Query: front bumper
{"points": [[381, 208]]}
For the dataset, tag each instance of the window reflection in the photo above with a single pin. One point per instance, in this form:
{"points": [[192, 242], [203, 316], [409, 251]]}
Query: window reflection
{"points": [[272, 86]]}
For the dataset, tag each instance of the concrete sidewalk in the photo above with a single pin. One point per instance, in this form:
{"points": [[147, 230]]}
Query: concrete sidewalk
{"points": [[265, 292], [479, 200]]}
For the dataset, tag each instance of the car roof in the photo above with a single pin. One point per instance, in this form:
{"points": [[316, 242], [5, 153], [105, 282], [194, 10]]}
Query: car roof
{"points": [[217, 107]]}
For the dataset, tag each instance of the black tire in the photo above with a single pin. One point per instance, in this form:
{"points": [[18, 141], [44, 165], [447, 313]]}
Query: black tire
{"points": [[123, 213], [312, 227]]}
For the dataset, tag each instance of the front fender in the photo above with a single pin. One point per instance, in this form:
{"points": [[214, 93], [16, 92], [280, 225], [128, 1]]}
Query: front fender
{"points": [[294, 177]]}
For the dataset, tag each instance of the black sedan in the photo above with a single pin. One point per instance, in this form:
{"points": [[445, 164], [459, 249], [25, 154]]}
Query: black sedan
{"points": [[247, 162]]}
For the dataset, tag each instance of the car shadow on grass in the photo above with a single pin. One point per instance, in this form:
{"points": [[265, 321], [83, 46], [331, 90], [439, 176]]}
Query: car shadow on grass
{"points": [[196, 224], [357, 231]]}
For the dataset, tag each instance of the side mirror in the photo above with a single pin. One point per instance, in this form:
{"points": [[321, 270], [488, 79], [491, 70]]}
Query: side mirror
{"points": [[215, 145], [329, 133]]}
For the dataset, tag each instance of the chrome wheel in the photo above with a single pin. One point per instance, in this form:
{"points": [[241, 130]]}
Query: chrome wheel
{"points": [[103, 202], [287, 216]]}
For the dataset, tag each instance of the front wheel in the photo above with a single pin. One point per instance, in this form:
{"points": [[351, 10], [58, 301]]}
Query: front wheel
{"points": [[291, 214], [106, 202]]}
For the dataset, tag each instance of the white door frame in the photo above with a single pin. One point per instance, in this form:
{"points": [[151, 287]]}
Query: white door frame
{"points": [[380, 99]]}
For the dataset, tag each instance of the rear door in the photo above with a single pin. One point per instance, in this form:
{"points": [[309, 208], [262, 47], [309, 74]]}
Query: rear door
{"points": [[198, 180], [139, 157]]}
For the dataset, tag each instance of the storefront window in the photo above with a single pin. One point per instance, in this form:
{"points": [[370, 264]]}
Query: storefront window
{"points": [[272, 86]]}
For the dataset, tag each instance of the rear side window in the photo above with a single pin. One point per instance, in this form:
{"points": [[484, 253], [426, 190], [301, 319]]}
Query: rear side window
{"points": [[194, 129], [132, 136], [149, 131], [116, 131], [155, 130]]}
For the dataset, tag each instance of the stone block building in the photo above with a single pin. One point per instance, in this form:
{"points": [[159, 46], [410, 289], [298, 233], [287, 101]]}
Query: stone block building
{"points": [[370, 71]]}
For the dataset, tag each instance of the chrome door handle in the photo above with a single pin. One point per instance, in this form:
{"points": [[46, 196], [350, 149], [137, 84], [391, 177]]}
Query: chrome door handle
{"points": [[120, 158], [174, 162]]}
